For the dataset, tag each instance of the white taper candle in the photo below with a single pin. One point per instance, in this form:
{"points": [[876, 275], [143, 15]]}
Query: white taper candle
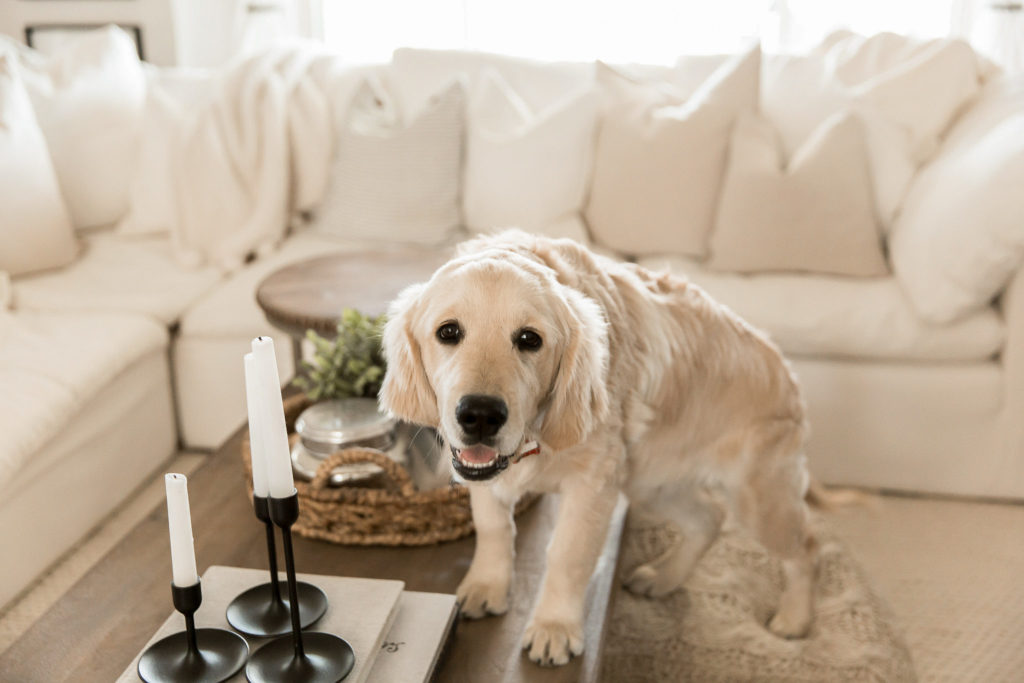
{"points": [[179, 522], [257, 444], [271, 419]]}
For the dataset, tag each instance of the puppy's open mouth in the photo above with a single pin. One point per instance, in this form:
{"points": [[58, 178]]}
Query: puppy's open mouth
{"points": [[478, 463]]}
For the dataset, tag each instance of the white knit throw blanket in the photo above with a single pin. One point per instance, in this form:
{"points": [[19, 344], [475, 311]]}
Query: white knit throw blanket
{"points": [[713, 629], [258, 151]]}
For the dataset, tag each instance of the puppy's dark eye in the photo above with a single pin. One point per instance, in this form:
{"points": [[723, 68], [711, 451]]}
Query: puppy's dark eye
{"points": [[528, 340], [449, 333]]}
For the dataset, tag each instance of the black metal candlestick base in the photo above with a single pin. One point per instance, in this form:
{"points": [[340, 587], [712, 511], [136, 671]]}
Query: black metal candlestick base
{"points": [[311, 657], [256, 613], [322, 660], [205, 655], [260, 610]]}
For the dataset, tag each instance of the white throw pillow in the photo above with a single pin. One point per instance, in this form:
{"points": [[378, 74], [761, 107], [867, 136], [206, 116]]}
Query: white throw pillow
{"points": [[660, 158], [151, 198], [35, 231], [907, 93], [814, 215], [961, 234], [89, 97], [526, 169], [393, 181]]}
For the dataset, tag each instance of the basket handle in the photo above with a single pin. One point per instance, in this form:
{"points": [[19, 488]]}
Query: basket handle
{"points": [[392, 470]]}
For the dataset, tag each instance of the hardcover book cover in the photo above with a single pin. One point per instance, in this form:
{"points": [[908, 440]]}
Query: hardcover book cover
{"points": [[413, 647]]}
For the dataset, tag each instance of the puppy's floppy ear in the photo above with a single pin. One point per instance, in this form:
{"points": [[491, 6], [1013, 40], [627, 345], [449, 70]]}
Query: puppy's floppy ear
{"points": [[579, 393], [406, 391]]}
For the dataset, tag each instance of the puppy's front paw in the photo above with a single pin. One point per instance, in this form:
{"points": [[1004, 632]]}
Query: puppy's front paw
{"points": [[480, 597], [553, 643]]}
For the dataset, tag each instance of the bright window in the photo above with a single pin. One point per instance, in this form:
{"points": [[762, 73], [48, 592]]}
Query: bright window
{"points": [[650, 31]]}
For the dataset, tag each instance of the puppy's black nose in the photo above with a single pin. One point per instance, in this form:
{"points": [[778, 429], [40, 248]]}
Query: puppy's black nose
{"points": [[481, 416]]}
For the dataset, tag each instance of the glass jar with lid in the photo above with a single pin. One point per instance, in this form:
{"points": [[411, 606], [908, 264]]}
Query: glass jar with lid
{"points": [[330, 426]]}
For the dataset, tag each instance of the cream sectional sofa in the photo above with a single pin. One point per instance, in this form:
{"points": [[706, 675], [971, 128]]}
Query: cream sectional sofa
{"points": [[115, 360]]}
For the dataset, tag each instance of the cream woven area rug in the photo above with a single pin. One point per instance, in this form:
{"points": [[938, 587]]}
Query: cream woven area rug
{"points": [[713, 630]]}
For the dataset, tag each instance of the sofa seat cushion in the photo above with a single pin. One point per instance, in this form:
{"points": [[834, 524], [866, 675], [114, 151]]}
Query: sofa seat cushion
{"points": [[231, 309], [835, 317], [52, 364], [118, 274]]}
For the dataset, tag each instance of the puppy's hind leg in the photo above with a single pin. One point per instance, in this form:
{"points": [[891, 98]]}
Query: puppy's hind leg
{"points": [[773, 506], [793, 617], [698, 517]]}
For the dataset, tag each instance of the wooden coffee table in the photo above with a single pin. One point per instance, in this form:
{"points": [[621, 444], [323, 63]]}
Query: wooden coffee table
{"points": [[93, 632], [311, 294]]}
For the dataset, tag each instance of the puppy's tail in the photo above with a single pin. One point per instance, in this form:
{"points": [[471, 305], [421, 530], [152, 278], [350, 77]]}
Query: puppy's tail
{"points": [[823, 498]]}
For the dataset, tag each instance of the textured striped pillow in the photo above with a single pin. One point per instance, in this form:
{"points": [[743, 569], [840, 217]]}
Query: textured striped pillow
{"points": [[393, 181]]}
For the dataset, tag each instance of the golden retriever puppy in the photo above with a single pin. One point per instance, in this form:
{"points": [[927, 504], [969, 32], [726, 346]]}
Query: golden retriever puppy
{"points": [[627, 381]]}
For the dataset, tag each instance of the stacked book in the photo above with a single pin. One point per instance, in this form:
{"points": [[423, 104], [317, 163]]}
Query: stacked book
{"points": [[397, 635]]}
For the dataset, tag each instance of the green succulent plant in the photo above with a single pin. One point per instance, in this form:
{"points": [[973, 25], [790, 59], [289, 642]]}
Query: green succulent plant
{"points": [[350, 365]]}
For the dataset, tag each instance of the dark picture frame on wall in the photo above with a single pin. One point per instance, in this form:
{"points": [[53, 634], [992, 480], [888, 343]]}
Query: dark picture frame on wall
{"points": [[34, 32]]}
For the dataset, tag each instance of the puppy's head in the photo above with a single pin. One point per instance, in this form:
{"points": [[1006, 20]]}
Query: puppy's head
{"points": [[493, 352]]}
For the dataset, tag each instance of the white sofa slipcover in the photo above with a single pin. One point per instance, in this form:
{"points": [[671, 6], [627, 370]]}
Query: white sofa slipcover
{"points": [[119, 274], [87, 414], [920, 427], [840, 317]]}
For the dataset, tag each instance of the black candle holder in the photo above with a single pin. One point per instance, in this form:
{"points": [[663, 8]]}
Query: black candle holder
{"points": [[312, 657], [205, 655], [261, 610]]}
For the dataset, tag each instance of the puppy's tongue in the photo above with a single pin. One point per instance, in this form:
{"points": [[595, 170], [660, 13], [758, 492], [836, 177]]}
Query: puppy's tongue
{"points": [[478, 455]]}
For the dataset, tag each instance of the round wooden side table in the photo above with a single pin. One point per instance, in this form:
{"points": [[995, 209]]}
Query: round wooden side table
{"points": [[311, 294]]}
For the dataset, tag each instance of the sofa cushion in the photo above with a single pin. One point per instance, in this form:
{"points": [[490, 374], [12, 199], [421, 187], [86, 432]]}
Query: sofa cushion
{"points": [[118, 274], [172, 97], [396, 178], [89, 97], [526, 167], [37, 232], [834, 317], [814, 214], [52, 364], [959, 239], [920, 86], [660, 157], [907, 91]]}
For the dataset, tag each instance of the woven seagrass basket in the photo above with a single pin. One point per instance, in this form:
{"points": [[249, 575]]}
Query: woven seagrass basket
{"points": [[395, 514]]}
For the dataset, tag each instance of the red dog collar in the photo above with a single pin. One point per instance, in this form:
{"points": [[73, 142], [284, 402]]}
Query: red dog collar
{"points": [[529, 448]]}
